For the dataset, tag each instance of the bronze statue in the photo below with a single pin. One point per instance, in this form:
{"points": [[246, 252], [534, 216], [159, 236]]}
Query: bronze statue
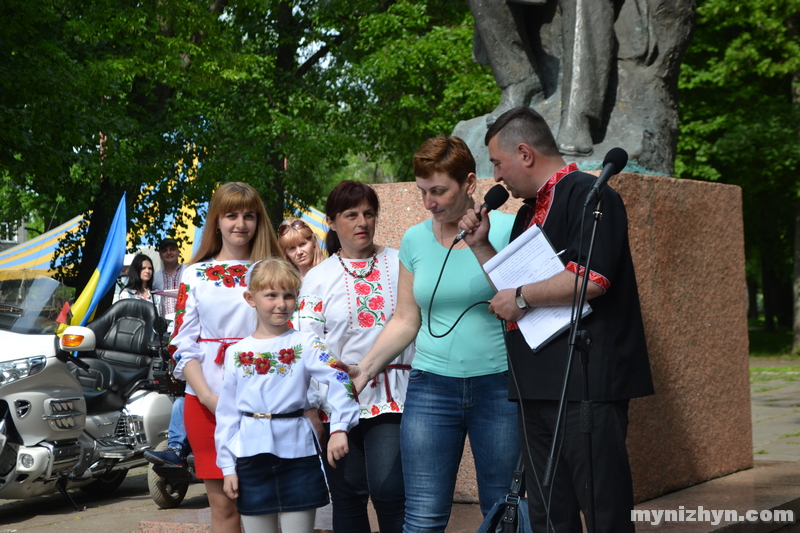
{"points": [[603, 72]]}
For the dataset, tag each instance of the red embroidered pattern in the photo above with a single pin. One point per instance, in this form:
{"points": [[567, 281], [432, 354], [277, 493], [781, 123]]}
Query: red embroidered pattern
{"points": [[544, 198], [180, 311], [225, 275], [279, 363], [369, 300], [594, 277]]}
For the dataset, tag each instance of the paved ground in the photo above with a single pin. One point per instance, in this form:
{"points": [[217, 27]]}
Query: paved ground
{"points": [[776, 437], [775, 394]]}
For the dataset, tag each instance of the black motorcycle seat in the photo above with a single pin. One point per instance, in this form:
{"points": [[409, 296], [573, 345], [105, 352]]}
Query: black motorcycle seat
{"points": [[100, 385], [123, 334]]}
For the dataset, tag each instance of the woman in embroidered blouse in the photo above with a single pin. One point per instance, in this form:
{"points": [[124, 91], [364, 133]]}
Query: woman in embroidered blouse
{"points": [[210, 315], [140, 280], [347, 300], [459, 384]]}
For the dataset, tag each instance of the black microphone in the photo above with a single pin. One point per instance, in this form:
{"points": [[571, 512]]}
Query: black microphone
{"points": [[615, 161], [496, 197]]}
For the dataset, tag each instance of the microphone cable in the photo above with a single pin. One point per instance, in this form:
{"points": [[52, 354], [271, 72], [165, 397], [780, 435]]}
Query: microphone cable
{"points": [[545, 501], [433, 295]]}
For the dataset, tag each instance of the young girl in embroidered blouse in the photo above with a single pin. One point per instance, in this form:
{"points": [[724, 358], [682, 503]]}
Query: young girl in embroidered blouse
{"points": [[210, 315], [265, 446]]}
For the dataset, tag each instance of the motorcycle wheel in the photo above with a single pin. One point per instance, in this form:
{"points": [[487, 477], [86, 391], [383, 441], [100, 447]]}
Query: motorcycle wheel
{"points": [[105, 484], [167, 495]]}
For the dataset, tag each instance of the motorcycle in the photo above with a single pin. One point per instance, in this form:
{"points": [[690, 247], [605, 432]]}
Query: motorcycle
{"points": [[168, 483], [68, 421]]}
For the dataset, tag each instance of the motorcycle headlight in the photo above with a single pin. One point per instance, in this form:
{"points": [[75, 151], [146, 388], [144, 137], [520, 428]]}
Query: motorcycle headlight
{"points": [[11, 371]]}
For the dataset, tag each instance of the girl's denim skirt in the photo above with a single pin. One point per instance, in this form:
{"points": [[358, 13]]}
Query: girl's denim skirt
{"points": [[269, 484]]}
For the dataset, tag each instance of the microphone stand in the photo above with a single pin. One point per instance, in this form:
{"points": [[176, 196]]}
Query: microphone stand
{"points": [[580, 340]]}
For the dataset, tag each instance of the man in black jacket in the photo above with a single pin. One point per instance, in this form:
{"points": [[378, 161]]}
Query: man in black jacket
{"points": [[526, 159]]}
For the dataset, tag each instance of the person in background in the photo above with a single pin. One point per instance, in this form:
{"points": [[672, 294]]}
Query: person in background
{"points": [[140, 281], [169, 277], [347, 300], [300, 245], [211, 314], [459, 384], [265, 446]]}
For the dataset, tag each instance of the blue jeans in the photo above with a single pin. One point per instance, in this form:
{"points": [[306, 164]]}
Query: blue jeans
{"points": [[371, 469], [438, 415], [177, 432]]}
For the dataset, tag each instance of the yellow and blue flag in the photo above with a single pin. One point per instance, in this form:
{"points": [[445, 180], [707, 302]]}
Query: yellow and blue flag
{"points": [[107, 271]]}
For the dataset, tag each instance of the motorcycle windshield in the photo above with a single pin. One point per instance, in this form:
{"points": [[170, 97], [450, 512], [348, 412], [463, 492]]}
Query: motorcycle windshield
{"points": [[32, 304]]}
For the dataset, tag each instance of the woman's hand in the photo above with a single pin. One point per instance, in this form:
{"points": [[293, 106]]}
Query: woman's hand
{"points": [[230, 485], [209, 400], [357, 376], [194, 377], [337, 447]]}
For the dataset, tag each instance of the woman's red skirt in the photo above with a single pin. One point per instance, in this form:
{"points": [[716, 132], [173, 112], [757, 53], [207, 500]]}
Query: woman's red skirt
{"points": [[200, 424]]}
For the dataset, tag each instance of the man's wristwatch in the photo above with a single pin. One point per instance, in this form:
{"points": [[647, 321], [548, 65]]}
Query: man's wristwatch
{"points": [[520, 299]]}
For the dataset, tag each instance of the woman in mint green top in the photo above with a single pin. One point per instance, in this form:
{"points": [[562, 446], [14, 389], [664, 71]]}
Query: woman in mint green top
{"points": [[458, 385], [475, 347]]}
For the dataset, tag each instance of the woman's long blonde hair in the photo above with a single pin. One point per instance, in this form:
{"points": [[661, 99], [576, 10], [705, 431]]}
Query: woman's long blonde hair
{"points": [[236, 196]]}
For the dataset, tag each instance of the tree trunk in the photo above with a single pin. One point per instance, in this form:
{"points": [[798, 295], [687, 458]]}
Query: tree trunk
{"points": [[752, 298], [796, 281]]}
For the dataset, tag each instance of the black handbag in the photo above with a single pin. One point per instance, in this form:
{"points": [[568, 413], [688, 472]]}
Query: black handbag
{"points": [[510, 513]]}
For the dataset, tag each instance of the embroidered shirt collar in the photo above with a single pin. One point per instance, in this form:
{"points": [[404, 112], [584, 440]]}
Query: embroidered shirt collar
{"points": [[544, 190]]}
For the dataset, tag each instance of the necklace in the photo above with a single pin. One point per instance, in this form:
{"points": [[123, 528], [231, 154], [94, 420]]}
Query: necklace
{"points": [[362, 273], [459, 244]]}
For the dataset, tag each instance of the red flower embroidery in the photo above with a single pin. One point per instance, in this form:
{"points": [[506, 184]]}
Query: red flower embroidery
{"points": [[289, 323], [393, 405], [246, 358], [262, 365], [359, 264], [323, 416], [302, 304], [375, 275], [228, 280], [376, 303], [366, 320], [215, 272], [375, 410], [178, 324], [286, 356], [180, 304], [237, 270], [362, 288], [318, 307]]}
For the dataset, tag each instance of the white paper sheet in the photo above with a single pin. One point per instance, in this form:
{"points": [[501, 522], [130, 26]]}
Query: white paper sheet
{"points": [[527, 259]]}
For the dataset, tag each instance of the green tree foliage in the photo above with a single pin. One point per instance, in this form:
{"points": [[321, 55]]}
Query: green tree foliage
{"points": [[739, 125], [164, 100]]}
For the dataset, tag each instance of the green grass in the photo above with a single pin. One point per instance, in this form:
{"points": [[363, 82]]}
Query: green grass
{"points": [[772, 373], [767, 389]]}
